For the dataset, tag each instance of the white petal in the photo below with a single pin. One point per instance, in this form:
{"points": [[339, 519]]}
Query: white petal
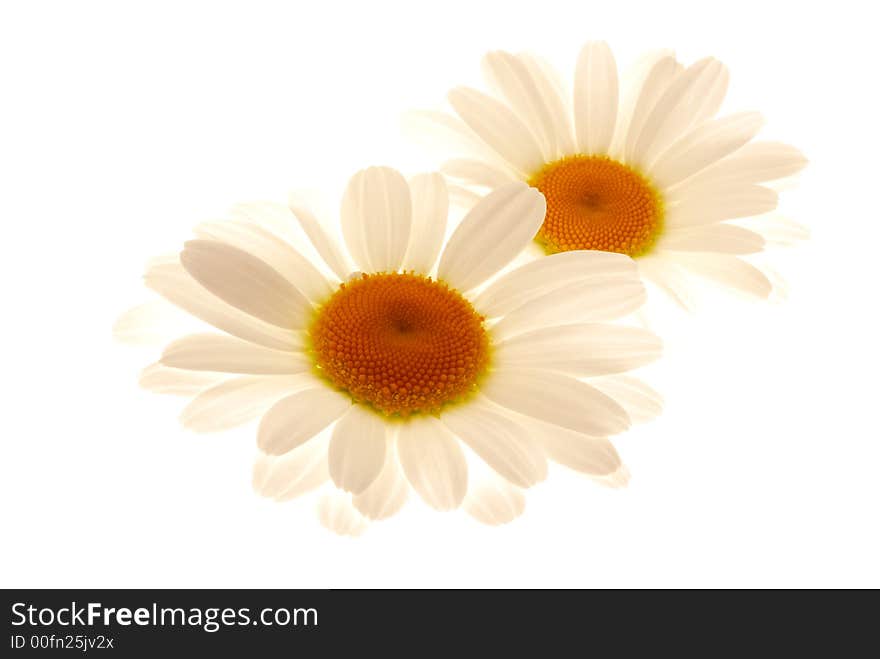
{"points": [[494, 501], [618, 479], [709, 97], [709, 205], [588, 455], [463, 197], [640, 401], [499, 441], [547, 274], [386, 495], [272, 250], [703, 146], [719, 237], [237, 401], [582, 350], [172, 282], [245, 282], [728, 271], [657, 79], [756, 162], [164, 380], [491, 235], [377, 218], [445, 134], [430, 208], [338, 515], [499, 128], [323, 243], [777, 230], [293, 474], [227, 354], [433, 462], [661, 270], [269, 215], [664, 120], [682, 111], [595, 98], [151, 323], [592, 300], [553, 91], [474, 172], [357, 449], [297, 418], [556, 399], [513, 80], [699, 103]]}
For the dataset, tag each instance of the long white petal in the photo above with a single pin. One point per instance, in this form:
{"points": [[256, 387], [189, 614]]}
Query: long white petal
{"points": [[357, 449], [555, 97], [323, 243], [729, 271], [171, 281], [616, 480], [640, 401], [377, 218], [661, 122], [547, 274], [237, 401], [499, 128], [433, 462], [474, 172], [445, 133], [227, 354], [162, 379], [581, 350], [676, 114], [491, 235], [595, 98], [589, 301], [719, 237], [285, 477], [699, 103], [661, 270], [513, 80], [717, 204], [494, 501], [245, 282], [430, 209], [777, 230], [709, 96], [595, 456], [337, 514], [463, 197], [703, 146], [557, 399], [500, 442], [271, 249], [660, 74], [151, 323], [388, 493], [756, 162], [297, 418]]}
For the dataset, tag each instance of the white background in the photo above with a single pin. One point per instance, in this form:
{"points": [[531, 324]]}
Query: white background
{"points": [[125, 123]]}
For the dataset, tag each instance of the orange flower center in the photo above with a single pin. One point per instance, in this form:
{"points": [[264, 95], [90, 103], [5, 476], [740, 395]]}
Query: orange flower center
{"points": [[594, 202], [401, 343]]}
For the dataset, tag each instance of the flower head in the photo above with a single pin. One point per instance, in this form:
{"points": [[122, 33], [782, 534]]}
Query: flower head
{"points": [[382, 366], [648, 171]]}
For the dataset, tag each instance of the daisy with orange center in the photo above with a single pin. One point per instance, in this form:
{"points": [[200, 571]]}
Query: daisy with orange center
{"points": [[402, 362], [652, 172]]}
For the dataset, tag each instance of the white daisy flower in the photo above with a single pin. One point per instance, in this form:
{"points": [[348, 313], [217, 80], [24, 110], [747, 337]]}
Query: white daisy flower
{"points": [[651, 173], [381, 368]]}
